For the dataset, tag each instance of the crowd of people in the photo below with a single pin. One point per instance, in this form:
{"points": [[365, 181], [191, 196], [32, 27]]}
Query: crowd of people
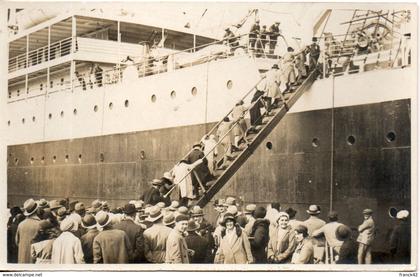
{"points": [[63, 232]]}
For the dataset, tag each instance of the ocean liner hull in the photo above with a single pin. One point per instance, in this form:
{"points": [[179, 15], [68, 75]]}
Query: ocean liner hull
{"points": [[346, 145]]}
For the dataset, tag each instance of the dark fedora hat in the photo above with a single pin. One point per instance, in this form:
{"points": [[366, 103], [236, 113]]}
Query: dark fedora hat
{"points": [[192, 226], [276, 66], [130, 209], [88, 221]]}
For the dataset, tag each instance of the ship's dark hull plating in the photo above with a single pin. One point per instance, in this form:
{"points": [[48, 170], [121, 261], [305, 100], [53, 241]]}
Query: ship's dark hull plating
{"points": [[347, 159]]}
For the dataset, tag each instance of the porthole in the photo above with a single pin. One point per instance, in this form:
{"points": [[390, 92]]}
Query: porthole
{"points": [[392, 212], [66, 158], [75, 111], [101, 157], [173, 94], [32, 160], [8, 123], [33, 119], [95, 109], [194, 91], [16, 161], [62, 81], [62, 113], [54, 159], [126, 103], [80, 158], [49, 116], [51, 84], [390, 137], [142, 155], [153, 98], [229, 84], [110, 105], [18, 92], [10, 94], [315, 142], [269, 145], [41, 86], [23, 120], [42, 159], [351, 140]]}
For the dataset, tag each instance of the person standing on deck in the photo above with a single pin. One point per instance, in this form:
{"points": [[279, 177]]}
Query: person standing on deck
{"points": [[274, 32], [314, 52], [253, 34], [365, 238]]}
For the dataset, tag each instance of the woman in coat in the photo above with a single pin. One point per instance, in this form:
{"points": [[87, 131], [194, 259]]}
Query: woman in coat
{"points": [[304, 252], [234, 247], [282, 244]]}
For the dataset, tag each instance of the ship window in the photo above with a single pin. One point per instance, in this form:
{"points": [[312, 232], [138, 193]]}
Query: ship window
{"points": [[142, 155], [42, 159], [269, 145], [49, 116], [18, 92], [110, 105], [41, 86], [315, 142], [54, 159], [23, 120], [390, 137], [66, 158], [62, 82], [80, 158], [101, 157], [351, 140], [75, 111], [229, 84], [33, 119], [32, 160], [10, 94], [51, 84], [16, 161], [173, 94], [153, 98], [62, 114], [95, 109], [194, 91], [8, 122], [126, 103]]}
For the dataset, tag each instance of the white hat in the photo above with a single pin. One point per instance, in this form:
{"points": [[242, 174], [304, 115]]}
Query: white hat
{"points": [[403, 214]]}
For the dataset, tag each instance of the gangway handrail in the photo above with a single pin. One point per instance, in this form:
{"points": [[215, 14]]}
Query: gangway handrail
{"points": [[220, 139]]}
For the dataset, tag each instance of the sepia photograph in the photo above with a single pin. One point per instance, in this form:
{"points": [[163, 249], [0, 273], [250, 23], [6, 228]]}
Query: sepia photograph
{"points": [[250, 136]]}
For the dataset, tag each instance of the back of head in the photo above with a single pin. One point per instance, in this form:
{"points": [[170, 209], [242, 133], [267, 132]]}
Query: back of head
{"points": [[260, 212], [332, 216], [275, 205]]}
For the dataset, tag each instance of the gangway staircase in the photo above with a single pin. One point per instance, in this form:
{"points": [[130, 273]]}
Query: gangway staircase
{"points": [[252, 140]]}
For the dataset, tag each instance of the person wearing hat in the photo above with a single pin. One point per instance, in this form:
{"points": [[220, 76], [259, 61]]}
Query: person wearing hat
{"points": [[225, 142], [169, 220], [205, 229], [329, 232], [210, 151], [110, 246], [314, 52], [262, 41], [249, 214], [16, 217], [26, 231], [152, 195], [288, 75], [366, 237], [167, 185], [89, 224], [238, 113], [174, 206], [253, 34], [96, 206], [274, 33], [272, 215], [201, 171], [314, 223], [41, 247], [400, 239], [234, 245], [197, 243], [155, 237], [229, 39], [282, 242], [304, 251], [348, 250], [183, 178], [177, 251], [134, 233], [260, 235], [255, 111], [271, 88], [67, 248]]}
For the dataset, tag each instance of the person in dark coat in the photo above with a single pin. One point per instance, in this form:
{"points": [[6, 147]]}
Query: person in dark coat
{"points": [[260, 235], [314, 52], [152, 196], [253, 34], [274, 32], [400, 240], [202, 170], [205, 230], [15, 218], [167, 183], [197, 243], [89, 224], [134, 233], [349, 248], [255, 110]]}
